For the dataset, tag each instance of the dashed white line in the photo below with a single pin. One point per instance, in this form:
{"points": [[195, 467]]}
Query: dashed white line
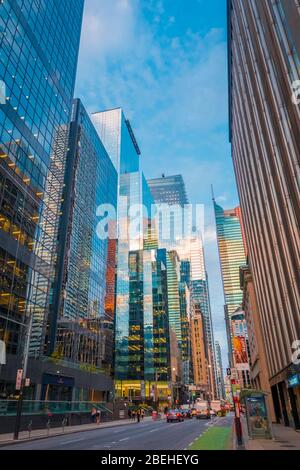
{"points": [[70, 442], [125, 439]]}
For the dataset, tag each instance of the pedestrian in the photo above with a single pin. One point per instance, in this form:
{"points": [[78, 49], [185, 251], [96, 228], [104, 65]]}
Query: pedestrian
{"points": [[93, 415], [129, 414], [138, 414], [133, 415], [142, 414]]}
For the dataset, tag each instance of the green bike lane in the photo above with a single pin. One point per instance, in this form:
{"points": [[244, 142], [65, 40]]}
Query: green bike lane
{"points": [[217, 436]]}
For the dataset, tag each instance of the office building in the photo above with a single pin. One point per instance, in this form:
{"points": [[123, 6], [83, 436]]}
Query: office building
{"points": [[259, 369], [39, 47], [170, 191], [264, 67], [148, 315], [81, 328], [201, 375], [220, 371], [232, 253]]}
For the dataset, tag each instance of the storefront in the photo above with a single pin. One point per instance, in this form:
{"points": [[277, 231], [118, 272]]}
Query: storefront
{"points": [[293, 384], [285, 389]]}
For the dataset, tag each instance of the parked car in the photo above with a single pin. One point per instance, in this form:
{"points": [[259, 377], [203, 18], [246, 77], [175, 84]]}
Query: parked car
{"points": [[174, 415]]}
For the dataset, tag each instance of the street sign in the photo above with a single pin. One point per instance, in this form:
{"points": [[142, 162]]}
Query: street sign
{"points": [[228, 372], [27, 382], [19, 379]]}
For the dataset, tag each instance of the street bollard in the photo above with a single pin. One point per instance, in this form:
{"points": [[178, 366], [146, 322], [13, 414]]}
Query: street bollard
{"points": [[64, 423], [29, 428], [48, 426]]}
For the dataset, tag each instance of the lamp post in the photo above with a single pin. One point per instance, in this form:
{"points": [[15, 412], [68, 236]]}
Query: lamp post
{"points": [[237, 419], [156, 388], [209, 385], [24, 373]]}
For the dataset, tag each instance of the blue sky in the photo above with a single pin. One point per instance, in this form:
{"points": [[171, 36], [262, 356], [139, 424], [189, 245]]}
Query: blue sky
{"points": [[165, 63]]}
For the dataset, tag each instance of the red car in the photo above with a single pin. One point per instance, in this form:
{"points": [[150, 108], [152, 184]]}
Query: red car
{"points": [[174, 415]]}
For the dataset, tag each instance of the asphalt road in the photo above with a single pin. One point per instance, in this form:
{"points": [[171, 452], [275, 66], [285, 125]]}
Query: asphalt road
{"points": [[148, 435]]}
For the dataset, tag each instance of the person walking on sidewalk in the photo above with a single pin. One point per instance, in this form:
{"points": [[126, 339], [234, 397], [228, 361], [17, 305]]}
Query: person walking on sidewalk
{"points": [[142, 414], [98, 416], [138, 414], [93, 415]]}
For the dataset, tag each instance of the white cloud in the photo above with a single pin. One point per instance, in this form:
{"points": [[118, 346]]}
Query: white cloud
{"points": [[174, 91], [107, 29], [210, 234], [122, 62], [222, 198]]}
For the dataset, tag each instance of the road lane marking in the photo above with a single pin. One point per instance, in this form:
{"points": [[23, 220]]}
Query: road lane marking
{"points": [[125, 439], [71, 442]]}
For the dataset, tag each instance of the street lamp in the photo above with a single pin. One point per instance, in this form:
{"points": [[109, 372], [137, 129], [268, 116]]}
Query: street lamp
{"points": [[23, 380], [156, 387], [209, 385], [173, 384]]}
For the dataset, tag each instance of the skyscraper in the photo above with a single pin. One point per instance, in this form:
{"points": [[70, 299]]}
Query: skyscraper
{"points": [[264, 67], [81, 327], [232, 254], [147, 293], [170, 191], [201, 377], [39, 48], [220, 372]]}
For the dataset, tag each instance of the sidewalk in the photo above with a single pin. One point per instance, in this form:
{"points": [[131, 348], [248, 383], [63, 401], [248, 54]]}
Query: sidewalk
{"points": [[6, 439], [285, 438]]}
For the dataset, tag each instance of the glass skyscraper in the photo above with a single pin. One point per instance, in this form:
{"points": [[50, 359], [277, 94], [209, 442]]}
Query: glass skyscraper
{"points": [[170, 190], [38, 56], [82, 324], [148, 315], [220, 372], [232, 252]]}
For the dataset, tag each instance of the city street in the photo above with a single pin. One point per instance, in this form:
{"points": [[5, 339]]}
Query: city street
{"points": [[158, 435]]}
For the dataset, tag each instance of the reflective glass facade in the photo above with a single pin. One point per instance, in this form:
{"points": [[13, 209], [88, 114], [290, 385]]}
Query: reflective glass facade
{"points": [[232, 253], [220, 371], [145, 281], [117, 136], [38, 56], [83, 327], [171, 190], [185, 316]]}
